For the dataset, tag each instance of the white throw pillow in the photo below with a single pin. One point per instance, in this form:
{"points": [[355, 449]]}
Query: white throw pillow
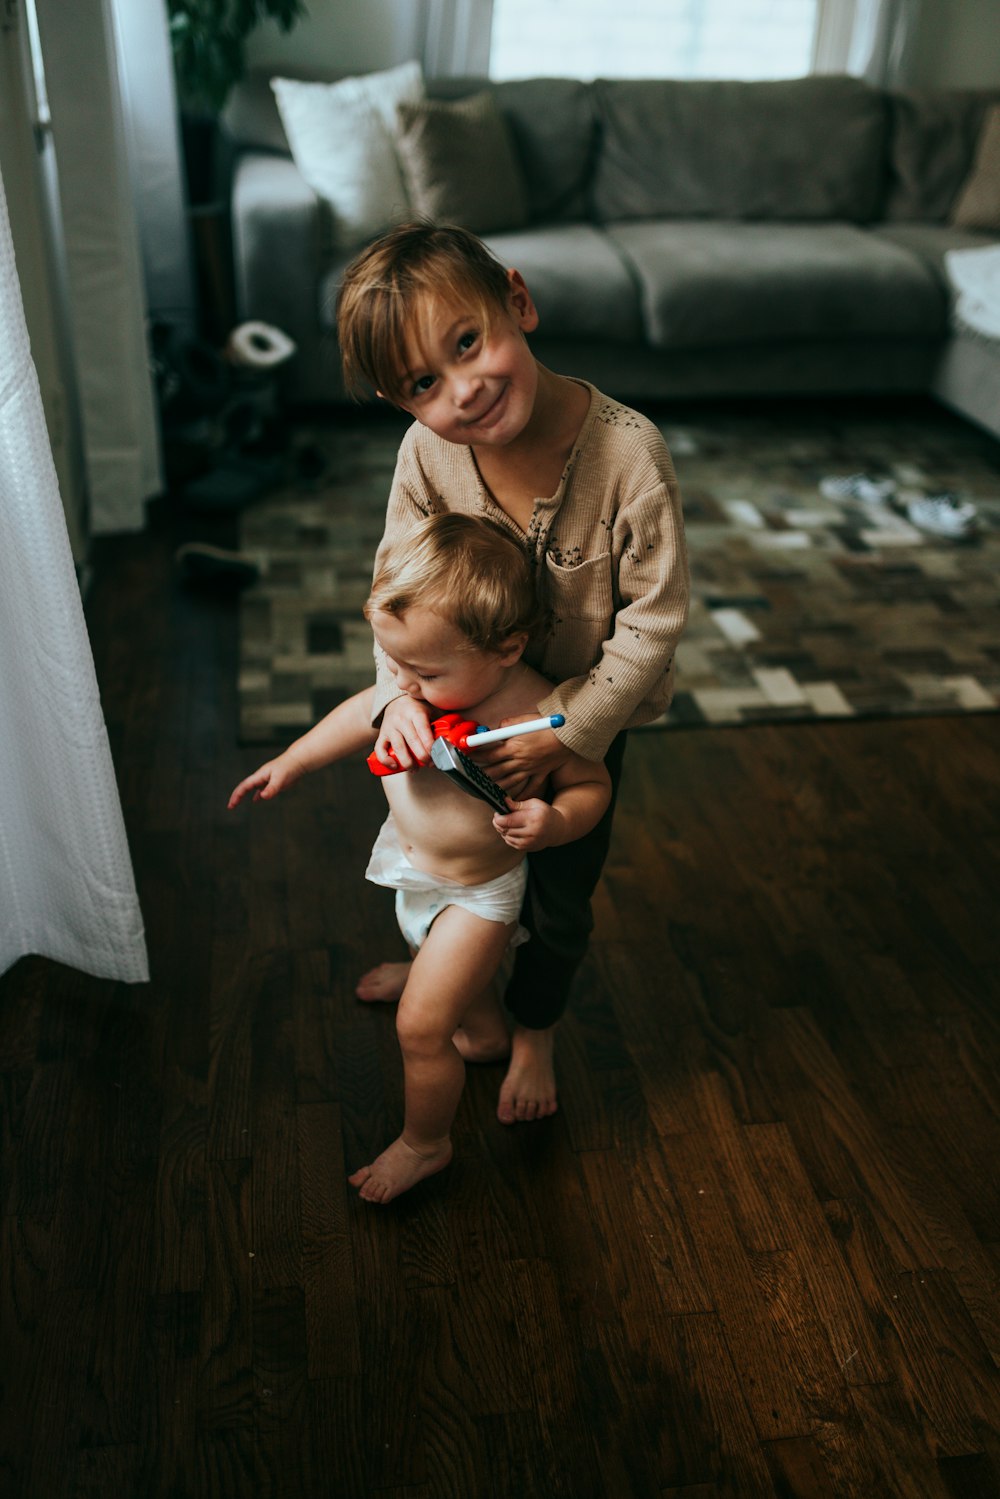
{"points": [[342, 139]]}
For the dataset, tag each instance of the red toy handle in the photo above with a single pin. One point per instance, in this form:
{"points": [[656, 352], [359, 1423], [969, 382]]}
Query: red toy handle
{"points": [[451, 726]]}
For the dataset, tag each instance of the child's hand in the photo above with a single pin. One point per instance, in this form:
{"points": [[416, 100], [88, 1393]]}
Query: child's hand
{"points": [[528, 825], [522, 765], [406, 731], [265, 783]]}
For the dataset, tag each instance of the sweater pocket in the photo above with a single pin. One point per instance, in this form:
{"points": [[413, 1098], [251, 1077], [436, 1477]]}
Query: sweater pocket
{"points": [[580, 607], [582, 592]]}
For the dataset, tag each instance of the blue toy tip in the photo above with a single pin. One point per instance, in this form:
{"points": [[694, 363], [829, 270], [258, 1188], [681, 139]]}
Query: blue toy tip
{"points": [[557, 720]]}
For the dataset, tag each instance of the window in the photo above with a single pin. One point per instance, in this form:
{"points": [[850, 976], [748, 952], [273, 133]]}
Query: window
{"points": [[652, 38]]}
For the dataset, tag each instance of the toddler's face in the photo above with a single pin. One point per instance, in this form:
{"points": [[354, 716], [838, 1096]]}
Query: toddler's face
{"points": [[468, 385], [431, 660]]}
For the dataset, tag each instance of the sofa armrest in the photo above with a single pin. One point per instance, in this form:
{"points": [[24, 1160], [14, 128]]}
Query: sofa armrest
{"points": [[278, 229]]}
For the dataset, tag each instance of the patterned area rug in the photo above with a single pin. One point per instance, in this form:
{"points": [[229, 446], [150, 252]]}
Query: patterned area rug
{"points": [[801, 608]]}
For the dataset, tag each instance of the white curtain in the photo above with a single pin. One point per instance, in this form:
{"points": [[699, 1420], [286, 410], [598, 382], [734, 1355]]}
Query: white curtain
{"points": [[882, 40], [103, 263], [457, 40], [66, 885], [871, 39]]}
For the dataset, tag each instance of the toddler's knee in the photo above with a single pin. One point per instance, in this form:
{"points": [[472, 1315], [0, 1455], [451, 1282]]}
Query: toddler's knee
{"points": [[420, 1034]]}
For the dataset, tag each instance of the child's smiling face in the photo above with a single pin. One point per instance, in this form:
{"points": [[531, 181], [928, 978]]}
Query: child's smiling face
{"points": [[469, 384], [432, 660]]}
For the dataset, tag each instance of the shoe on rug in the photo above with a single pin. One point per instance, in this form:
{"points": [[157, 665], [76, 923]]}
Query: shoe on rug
{"points": [[858, 487], [944, 514], [199, 562]]}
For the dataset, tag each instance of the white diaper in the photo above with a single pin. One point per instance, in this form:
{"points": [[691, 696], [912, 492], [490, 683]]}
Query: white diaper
{"points": [[421, 896]]}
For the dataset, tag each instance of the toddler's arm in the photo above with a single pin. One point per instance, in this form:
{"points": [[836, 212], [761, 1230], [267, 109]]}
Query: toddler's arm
{"points": [[346, 730], [582, 792]]}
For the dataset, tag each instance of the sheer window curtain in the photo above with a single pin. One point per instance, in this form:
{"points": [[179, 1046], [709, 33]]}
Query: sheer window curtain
{"points": [[66, 885], [871, 39], [79, 55], [457, 37]]}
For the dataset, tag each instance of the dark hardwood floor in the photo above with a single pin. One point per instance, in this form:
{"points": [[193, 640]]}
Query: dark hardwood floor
{"points": [[756, 1253]]}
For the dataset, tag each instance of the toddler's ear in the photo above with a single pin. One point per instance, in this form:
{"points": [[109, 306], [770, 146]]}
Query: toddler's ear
{"points": [[512, 648]]}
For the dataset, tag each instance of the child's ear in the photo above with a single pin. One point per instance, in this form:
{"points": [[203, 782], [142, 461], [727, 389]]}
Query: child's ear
{"points": [[512, 648], [522, 308]]}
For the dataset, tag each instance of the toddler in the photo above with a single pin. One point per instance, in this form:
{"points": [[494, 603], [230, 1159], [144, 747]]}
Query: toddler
{"points": [[451, 608]]}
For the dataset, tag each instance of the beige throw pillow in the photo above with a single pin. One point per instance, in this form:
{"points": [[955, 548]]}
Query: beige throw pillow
{"points": [[978, 204], [459, 163]]}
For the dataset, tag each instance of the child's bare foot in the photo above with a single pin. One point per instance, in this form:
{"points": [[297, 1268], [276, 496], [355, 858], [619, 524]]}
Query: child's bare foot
{"points": [[397, 1169], [529, 1089], [386, 982]]}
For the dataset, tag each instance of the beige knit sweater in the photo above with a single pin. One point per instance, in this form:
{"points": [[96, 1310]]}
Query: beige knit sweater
{"points": [[610, 562]]}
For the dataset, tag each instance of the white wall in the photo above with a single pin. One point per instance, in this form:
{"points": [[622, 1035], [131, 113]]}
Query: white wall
{"points": [[343, 36], [958, 44]]}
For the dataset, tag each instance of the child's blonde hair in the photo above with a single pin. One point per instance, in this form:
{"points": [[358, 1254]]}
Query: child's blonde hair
{"points": [[467, 569], [377, 305]]}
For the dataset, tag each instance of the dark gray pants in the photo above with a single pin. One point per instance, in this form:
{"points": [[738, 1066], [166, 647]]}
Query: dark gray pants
{"points": [[556, 911]]}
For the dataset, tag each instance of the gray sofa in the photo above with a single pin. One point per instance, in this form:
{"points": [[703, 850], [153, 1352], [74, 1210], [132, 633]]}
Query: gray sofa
{"points": [[681, 238]]}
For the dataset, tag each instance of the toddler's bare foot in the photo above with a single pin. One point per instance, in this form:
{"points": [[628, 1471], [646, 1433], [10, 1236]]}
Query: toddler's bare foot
{"points": [[397, 1169], [529, 1089], [386, 982]]}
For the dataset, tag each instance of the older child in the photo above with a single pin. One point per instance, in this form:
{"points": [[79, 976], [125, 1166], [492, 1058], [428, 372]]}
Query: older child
{"points": [[451, 608], [436, 325]]}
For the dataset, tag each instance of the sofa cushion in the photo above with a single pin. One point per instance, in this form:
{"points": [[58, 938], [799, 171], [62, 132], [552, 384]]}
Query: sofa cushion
{"points": [[554, 128], [808, 148], [459, 163], [580, 285], [978, 203], [930, 242], [729, 283], [932, 142]]}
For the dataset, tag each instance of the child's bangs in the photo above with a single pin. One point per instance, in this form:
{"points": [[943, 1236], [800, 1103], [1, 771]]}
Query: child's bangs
{"points": [[414, 311]]}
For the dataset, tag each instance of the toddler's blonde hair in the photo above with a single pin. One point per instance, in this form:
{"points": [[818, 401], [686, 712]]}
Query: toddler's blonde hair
{"points": [[390, 283], [467, 569]]}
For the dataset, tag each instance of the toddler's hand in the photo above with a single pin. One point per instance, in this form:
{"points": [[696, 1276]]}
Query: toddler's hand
{"points": [[523, 764], [407, 732], [528, 825], [266, 782]]}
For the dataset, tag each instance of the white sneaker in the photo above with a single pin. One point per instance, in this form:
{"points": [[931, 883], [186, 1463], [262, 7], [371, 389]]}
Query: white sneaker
{"points": [[858, 487], [943, 515]]}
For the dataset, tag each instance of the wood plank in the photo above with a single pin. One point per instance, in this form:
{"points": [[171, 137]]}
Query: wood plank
{"points": [[714, 1436], [225, 1383], [180, 1185], [282, 1432], [798, 1469], [276, 1215], [565, 1385], [331, 1324], [922, 1322], [168, 1434], [772, 1331]]}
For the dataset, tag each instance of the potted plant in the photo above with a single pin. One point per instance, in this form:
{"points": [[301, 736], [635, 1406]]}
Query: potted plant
{"points": [[208, 38]]}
